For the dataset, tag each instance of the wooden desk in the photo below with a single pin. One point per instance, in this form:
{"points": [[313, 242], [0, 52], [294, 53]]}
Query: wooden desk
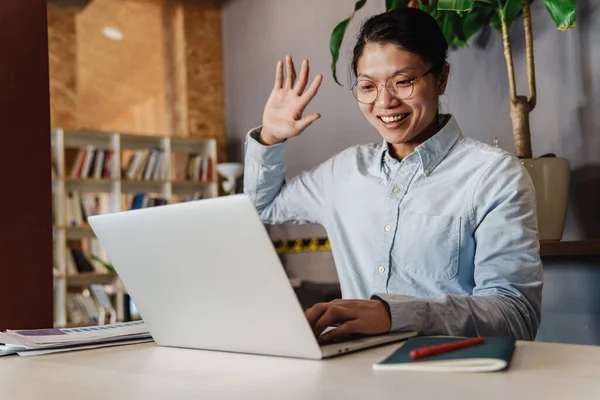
{"points": [[147, 371]]}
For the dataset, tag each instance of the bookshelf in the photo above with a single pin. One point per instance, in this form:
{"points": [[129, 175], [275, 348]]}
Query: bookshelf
{"points": [[103, 172], [575, 248]]}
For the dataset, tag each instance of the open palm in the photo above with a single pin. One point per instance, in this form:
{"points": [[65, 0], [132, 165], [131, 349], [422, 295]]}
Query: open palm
{"points": [[282, 117]]}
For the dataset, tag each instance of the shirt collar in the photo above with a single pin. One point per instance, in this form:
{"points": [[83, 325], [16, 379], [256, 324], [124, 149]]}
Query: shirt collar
{"points": [[434, 149]]}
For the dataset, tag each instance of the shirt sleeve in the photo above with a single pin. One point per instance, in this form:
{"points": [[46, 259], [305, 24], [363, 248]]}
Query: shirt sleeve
{"points": [[506, 299], [300, 200]]}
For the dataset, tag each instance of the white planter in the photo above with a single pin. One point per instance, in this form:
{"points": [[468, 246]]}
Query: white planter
{"points": [[551, 178]]}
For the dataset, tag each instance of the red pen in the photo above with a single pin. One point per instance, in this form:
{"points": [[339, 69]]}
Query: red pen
{"points": [[444, 348]]}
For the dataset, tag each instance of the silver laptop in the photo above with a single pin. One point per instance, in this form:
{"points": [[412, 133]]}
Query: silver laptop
{"points": [[205, 275]]}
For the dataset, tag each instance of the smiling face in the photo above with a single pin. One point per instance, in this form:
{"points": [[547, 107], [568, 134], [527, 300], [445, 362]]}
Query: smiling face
{"points": [[402, 123]]}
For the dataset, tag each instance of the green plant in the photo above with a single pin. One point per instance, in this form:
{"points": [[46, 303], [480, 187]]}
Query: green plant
{"points": [[460, 20]]}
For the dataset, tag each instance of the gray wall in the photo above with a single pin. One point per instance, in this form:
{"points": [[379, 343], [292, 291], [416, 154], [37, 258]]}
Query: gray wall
{"points": [[259, 32]]}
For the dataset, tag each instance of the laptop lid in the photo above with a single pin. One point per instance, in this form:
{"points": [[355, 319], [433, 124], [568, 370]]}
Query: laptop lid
{"points": [[204, 274]]}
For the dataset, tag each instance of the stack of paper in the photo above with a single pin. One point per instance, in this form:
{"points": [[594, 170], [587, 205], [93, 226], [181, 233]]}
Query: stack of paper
{"points": [[44, 341]]}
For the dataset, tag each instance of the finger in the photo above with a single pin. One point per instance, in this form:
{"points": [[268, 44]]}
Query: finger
{"points": [[279, 75], [291, 72], [333, 316], [312, 89], [345, 329], [303, 123], [345, 302], [314, 313], [303, 80]]}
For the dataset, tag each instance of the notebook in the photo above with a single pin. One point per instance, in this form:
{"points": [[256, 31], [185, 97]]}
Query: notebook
{"points": [[493, 355]]}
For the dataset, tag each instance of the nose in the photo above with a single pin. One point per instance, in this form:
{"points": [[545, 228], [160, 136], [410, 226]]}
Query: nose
{"points": [[385, 99]]}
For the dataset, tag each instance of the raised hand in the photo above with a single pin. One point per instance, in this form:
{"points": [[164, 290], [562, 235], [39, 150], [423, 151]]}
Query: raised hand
{"points": [[282, 117]]}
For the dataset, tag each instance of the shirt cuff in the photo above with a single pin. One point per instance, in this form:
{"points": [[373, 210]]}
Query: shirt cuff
{"points": [[266, 155], [407, 313]]}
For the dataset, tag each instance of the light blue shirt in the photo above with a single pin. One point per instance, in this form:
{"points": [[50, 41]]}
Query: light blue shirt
{"points": [[447, 237]]}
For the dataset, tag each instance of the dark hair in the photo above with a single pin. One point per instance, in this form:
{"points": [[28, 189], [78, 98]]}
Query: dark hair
{"points": [[410, 29]]}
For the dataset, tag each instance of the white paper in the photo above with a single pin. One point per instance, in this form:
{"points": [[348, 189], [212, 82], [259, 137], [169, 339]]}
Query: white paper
{"points": [[81, 347], [24, 342]]}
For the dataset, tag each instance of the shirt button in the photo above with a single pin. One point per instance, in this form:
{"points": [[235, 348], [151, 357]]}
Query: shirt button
{"points": [[381, 269], [427, 171], [388, 228], [396, 190], [387, 159]]}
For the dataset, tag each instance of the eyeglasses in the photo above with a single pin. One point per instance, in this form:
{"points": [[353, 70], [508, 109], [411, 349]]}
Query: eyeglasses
{"points": [[398, 85]]}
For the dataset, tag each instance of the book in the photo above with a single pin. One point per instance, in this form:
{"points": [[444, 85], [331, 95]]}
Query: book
{"points": [[493, 355]]}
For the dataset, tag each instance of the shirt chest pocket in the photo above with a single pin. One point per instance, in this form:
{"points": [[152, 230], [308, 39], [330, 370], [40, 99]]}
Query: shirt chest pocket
{"points": [[427, 246]]}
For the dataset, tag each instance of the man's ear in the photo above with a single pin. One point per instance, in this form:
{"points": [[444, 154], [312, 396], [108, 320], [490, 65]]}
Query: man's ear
{"points": [[443, 79]]}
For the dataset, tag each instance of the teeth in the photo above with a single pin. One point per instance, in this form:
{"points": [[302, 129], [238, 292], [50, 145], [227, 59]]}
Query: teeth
{"points": [[393, 119]]}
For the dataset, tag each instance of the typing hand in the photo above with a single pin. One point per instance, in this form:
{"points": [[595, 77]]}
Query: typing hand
{"points": [[367, 317], [282, 116]]}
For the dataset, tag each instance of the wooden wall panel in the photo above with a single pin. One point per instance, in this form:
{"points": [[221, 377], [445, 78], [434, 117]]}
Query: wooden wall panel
{"points": [[62, 55], [121, 83], [204, 63], [175, 69], [26, 201]]}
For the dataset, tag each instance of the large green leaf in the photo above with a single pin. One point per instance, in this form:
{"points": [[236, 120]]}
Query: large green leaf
{"points": [[489, 3], [455, 5], [450, 22], [476, 20], [394, 4], [338, 35], [562, 12], [512, 9], [459, 26], [429, 7], [464, 5], [452, 27]]}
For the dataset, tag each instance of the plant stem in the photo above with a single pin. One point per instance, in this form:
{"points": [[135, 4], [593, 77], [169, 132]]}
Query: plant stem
{"points": [[519, 114], [529, 53], [508, 55], [519, 105]]}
